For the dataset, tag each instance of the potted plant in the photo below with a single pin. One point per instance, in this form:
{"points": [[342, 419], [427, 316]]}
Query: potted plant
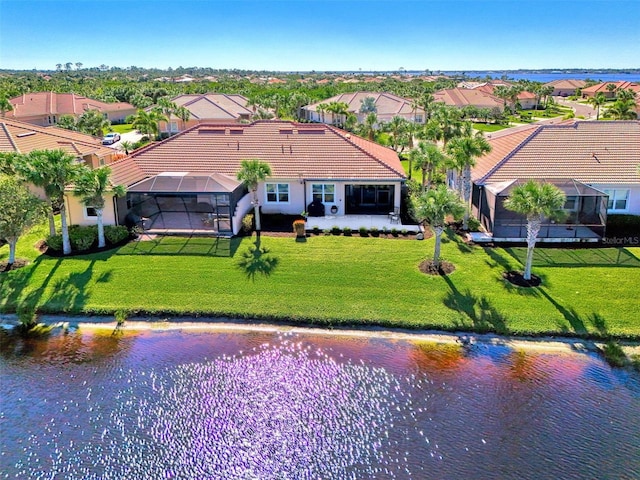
{"points": [[299, 227]]}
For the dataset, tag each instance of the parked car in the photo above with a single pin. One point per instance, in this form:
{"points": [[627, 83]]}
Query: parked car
{"points": [[111, 138]]}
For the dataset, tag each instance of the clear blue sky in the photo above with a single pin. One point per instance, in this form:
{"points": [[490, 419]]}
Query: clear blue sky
{"points": [[302, 35]]}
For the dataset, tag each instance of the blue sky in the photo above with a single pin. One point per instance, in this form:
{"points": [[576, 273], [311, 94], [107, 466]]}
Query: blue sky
{"points": [[303, 35]]}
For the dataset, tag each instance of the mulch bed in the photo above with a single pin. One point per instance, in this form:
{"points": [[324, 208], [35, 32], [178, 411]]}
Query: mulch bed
{"points": [[19, 263], [50, 252], [429, 268], [517, 279]]}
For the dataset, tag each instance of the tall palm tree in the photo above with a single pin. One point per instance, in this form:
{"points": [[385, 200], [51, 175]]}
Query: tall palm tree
{"points": [[53, 171], [536, 201], [368, 105], [463, 152], [433, 207], [165, 108], [183, 114], [147, 122], [596, 101], [428, 157], [251, 173], [369, 127], [397, 128], [93, 122], [92, 186], [444, 125], [622, 110]]}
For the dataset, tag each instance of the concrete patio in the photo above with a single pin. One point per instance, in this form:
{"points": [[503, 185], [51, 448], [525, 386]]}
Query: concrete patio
{"points": [[356, 221]]}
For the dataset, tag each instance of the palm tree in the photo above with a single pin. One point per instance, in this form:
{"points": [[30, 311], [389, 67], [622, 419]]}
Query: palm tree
{"points": [[464, 151], [19, 211], [183, 114], [127, 146], [397, 128], [622, 110], [338, 110], [321, 109], [433, 207], [165, 108], [53, 171], [92, 186], [427, 157], [93, 122], [147, 122], [444, 125], [369, 127], [253, 172], [596, 101], [536, 201], [368, 105]]}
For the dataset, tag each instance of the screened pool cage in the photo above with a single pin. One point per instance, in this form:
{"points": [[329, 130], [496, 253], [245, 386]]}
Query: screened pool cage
{"points": [[183, 201], [585, 211]]}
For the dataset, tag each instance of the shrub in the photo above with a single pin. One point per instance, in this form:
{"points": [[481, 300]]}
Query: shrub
{"points": [[404, 232], [82, 237], [363, 232], [614, 355], [346, 231], [326, 231], [474, 224], [247, 223], [115, 233], [623, 225], [374, 231], [335, 230], [316, 230], [394, 232], [54, 242]]}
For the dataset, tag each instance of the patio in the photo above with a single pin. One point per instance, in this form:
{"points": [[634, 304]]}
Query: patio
{"points": [[356, 221]]}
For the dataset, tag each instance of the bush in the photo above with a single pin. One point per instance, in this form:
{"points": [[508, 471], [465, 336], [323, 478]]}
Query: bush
{"points": [[82, 238], [247, 223], [474, 224], [404, 232], [363, 231], [394, 232], [326, 231], [623, 225], [115, 233], [374, 231], [346, 231], [614, 355], [316, 230], [335, 230], [54, 242]]}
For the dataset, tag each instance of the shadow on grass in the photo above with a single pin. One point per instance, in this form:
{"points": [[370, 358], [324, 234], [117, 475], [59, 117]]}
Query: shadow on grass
{"points": [[256, 260], [577, 257], [192, 246], [482, 315], [454, 237]]}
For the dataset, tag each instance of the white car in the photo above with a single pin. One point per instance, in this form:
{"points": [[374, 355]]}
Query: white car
{"points": [[111, 138]]}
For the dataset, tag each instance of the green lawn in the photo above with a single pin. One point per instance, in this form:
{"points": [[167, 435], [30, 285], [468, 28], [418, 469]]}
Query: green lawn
{"points": [[491, 127], [339, 280], [123, 128]]}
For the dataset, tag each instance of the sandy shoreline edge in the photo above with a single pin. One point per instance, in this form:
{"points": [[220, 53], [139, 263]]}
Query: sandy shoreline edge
{"points": [[228, 325]]}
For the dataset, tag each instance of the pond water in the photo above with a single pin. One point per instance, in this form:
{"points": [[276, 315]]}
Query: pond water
{"points": [[266, 405]]}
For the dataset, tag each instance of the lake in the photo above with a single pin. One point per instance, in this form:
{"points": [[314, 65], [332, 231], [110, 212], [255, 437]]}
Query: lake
{"points": [[195, 404]]}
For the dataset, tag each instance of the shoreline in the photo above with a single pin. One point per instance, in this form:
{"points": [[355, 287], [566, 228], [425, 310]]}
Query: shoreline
{"points": [[230, 325]]}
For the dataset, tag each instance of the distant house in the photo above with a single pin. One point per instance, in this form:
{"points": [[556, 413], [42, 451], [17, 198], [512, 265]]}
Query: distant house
{"points": [[188, 182], [208, 108], [565, 87], [607, 91], [46, 108], [462, 97], [594, 163], [23, 137], [527, 100], [387, 106]]}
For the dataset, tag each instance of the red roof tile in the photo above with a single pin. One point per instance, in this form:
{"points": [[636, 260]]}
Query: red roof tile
{"points": [[50, 103]]}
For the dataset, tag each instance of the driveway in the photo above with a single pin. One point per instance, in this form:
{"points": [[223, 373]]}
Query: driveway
{"points": [[583, 110], [132, 137]]}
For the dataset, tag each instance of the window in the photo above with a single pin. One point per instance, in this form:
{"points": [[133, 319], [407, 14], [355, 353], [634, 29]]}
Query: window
{"points": [[325, 192], [277, 192], [418, 119], [571, 203], [618, 200], [90, 212]]}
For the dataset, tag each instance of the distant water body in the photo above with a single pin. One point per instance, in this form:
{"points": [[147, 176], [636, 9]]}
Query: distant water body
{"points": [[551, 76]]}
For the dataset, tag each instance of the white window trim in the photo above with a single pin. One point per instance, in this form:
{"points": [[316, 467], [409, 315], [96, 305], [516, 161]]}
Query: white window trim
{"points": [[612, 197], [324, 200], [86, 214], [277, 200]]}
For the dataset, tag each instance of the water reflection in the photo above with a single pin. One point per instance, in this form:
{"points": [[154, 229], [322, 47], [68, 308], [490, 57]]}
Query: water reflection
{"points": [[262, 405]]}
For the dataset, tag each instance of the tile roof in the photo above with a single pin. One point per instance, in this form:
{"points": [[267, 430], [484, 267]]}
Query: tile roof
{"points": [[293, 150], [23, 137], [590, 152], [386, 103], [602, 87], [460, 97], [566, 83], [214, 106], [50, 103]]}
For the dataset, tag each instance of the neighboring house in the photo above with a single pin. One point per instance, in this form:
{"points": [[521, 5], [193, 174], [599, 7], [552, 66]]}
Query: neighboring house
{"points": [[527, 100], [594, 163], [565, 87], [23, 137], [604, 88], [188, 182], [208, 108], [462, 97], [46, 108], [387, 107]]}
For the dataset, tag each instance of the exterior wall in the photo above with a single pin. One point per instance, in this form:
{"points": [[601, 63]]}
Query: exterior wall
{"points": [[294, 206], [633, 203], [120, 115], [76, 212], [563, 92], [242, 208], [527, 103]]}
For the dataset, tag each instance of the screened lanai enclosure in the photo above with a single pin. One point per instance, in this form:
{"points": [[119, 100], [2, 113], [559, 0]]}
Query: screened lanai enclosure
{"points": [[182, 202], [585, 212]]}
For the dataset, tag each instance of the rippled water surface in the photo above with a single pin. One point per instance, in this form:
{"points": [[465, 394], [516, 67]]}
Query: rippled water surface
{"points": [[198, 405]]}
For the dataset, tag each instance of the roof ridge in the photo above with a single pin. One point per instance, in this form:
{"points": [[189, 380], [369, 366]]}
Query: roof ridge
{"points": [[526, 140], [10, 137]]}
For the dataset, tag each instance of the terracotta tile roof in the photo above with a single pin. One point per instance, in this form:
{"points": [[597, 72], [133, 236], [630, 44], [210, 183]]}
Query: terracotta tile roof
{"points": [[590, 152], [566, 83], [23, 137], [386, 103], [293, 150], [460, 97], [50, 103], [214, 106], [602, 87]]}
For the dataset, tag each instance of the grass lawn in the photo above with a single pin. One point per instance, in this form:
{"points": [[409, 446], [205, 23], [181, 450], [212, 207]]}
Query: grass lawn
{"points": [[338, 280], [123, 128], [491, 127]]}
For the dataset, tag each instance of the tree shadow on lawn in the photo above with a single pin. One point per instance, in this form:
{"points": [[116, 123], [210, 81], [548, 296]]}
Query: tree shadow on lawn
{"points": [[256, 260], [191, 245], [577, 257], [483, 316], [452, 236], [499, 261]]}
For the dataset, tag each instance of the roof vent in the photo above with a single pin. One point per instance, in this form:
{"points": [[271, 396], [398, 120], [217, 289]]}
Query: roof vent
{"points": [[25, 134], [219, 131], [284, 131], [236, 131]]}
